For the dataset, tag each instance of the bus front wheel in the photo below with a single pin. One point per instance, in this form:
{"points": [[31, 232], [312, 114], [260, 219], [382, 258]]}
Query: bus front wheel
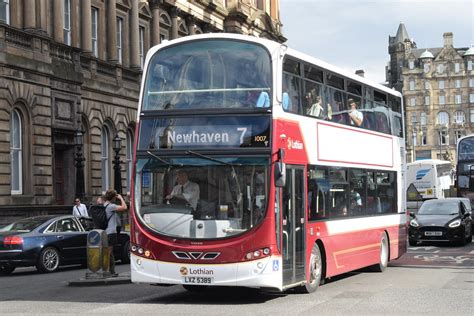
{"points": [[315, 271]]}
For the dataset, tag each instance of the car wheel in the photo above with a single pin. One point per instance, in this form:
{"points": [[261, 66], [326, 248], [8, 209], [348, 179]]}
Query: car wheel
{"points": [[48, 260], [125, 258], [412, 242], [384, 255], [6, 268], [315, 271]]}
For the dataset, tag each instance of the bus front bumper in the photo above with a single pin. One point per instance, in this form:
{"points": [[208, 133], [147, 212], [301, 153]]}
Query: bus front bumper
{"points": [[262, 273]]}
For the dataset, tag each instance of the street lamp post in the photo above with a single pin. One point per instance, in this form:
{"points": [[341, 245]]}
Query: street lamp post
{"points": [[79, 144], [117, 169]]}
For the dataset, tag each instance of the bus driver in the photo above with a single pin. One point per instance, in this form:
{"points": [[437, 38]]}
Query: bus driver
{"points": [[184, 190]]}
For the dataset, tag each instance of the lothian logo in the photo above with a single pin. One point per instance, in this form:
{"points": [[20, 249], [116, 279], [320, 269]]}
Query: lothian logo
{"points": [[183, 271], [294, 144]]}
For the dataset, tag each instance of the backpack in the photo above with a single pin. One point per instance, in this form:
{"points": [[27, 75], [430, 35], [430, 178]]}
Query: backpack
{"points": [[99, 216]]}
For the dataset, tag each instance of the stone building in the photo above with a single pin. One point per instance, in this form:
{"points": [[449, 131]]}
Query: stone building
{"points": [[438, 89], [72, 67]]}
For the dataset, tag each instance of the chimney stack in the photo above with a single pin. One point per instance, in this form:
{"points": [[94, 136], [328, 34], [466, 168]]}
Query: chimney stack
{"points": [[360, 72], [448, 39]]}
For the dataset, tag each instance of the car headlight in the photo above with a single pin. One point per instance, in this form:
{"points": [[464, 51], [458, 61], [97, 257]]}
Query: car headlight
{"points": [[414, 223], [456, 223]]}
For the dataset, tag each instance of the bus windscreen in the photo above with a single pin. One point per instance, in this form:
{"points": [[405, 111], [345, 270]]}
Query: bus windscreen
{"points": [[208, 75]]}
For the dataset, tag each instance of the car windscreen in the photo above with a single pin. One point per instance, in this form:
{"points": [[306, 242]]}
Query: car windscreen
{"points": [[24, 225], [439, 208]]}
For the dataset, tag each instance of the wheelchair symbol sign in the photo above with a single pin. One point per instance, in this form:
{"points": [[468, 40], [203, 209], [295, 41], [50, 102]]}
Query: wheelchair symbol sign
{"points": [[276, 265]]}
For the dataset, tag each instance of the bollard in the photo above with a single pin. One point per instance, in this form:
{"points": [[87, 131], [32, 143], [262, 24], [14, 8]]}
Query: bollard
{"points": [[97, 255]]}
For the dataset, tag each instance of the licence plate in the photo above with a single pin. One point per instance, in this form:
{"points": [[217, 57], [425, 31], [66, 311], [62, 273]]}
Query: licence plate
{"points": [[433, 233], [197, 280]]}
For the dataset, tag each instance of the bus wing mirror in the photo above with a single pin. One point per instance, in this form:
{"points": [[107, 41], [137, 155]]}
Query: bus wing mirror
{"points": [[280, 174], [412, 215]]}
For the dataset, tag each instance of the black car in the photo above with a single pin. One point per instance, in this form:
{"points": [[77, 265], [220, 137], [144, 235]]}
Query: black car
{"points": [[48, 242], [441, 220]]}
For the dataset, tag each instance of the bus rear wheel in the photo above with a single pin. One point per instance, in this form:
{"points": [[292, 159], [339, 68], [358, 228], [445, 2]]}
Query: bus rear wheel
{"points": [[315, 271], [383, 256]]}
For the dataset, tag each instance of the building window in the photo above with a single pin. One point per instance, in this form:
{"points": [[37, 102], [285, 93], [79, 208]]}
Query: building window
{"points": [[471, 83], [427, 100], [413, 101], [95, 31], [458, 135], [441, 84], [472, 115], [457, 67], [129, 156], [119, 39], [413, 118], [440, 68], [412, 85], [443, 118], [469, 65], [141, 35], [442, 100], [457, 83], [426, 68], [471, 98], [443, 137], [424, 142], [67, 22], [16, 158], [427, 85], [105, 158], [5, 11], [459, 117], [457, 99], [411, 64], [423, 118]]}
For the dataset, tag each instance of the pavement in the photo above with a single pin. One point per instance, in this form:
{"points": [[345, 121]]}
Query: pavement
{"points": [[121, 278]]}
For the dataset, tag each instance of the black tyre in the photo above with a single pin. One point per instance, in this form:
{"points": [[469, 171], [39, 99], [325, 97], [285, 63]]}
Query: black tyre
{"points": [[315, 271], [6, 268], [412, 242], [125, 258], [49, 260], [384, 255]]}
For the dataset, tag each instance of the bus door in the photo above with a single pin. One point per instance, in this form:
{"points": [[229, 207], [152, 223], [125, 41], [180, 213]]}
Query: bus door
{"points": [[293, 226]]}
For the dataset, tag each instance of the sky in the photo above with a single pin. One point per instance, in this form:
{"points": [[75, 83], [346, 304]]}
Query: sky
{"points": [[353, 34]]}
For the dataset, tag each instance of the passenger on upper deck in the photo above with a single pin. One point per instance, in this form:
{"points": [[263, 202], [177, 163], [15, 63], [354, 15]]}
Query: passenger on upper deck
{"points": [[355, 115], [314, 101]]}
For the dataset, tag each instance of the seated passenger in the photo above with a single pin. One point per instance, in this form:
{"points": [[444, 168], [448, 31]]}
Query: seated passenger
{"points": [[185, 190], [355, 115]]}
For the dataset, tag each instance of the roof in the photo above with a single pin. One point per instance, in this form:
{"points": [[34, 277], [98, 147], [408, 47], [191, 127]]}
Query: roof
{"points": [[402, 34], [426, 54], [469, 52]]}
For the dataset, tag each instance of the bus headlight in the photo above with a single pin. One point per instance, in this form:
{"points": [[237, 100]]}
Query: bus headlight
{"points": [[456, 223], [414, 223]]}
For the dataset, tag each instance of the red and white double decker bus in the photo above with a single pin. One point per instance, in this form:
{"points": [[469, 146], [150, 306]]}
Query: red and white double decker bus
{"points": [[282, 191]]}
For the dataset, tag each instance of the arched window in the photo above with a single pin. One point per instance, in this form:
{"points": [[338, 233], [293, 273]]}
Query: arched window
{"points": [[443, 118], [129, 158], [105, 159], [183, 29], [16, 153], [165, 26]]}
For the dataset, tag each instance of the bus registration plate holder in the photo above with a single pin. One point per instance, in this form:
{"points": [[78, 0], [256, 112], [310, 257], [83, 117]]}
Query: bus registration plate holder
{"points": [[198, 280], [433, 233]]}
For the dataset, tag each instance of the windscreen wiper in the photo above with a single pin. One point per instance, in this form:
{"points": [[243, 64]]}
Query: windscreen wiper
{"points": [[161, 159]]}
